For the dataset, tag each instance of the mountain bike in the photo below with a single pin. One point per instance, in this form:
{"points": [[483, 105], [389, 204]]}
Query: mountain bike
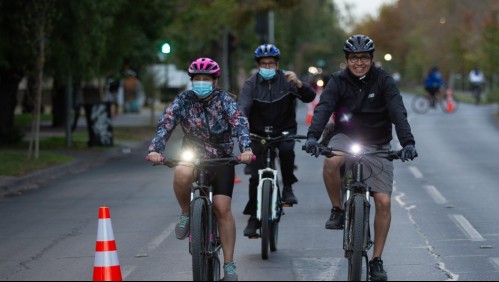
{"points": [[448, 102], [356, 201], [204, 240], [269, 204]]}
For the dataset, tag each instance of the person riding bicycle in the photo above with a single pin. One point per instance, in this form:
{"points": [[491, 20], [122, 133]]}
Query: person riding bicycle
{"points": [[476, 80], [433, 83], [268, 99], [209, 118], [366, 102]]}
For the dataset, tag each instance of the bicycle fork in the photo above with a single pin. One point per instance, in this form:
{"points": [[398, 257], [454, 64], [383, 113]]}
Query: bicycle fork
{"points": [[261, 179]]}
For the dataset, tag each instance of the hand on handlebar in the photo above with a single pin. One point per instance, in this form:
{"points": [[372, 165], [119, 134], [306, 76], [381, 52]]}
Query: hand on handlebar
{"points": [[246, 157], [408, 153], [154, 157], [312, 147]]}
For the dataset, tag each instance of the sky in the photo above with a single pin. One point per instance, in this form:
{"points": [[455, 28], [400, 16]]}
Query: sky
{"points": [[362, 7]]}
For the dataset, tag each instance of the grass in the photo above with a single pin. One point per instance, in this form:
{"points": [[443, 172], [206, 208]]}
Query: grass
{"points": [[17, 163]]}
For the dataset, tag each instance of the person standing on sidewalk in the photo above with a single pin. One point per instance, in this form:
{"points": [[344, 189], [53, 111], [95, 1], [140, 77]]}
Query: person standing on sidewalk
{"points": [[366, 102], [268, 99], [210, 118]]}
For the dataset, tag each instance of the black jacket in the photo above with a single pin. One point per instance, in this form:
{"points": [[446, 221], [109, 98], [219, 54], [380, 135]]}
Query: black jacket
{"points": [[272, 103], [365, 109]]}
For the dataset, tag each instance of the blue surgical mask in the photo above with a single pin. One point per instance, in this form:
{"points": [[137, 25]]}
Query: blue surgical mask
{"points": [[202, 88], [267, 73]]}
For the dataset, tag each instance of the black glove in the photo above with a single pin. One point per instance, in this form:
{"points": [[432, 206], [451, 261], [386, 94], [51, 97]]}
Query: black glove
{"points": [[408, 153], [312, 147]]}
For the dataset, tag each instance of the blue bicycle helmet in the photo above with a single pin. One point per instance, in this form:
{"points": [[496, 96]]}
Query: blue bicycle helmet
{"points": [[358, 44], [266, 50]]}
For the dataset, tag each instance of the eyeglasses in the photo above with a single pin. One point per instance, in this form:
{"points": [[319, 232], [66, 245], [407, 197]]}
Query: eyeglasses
{"points": [[268, 65], [355, 59]]}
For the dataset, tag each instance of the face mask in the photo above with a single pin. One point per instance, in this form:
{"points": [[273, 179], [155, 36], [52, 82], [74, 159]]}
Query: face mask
{"points": [[202, 88], [267, 73]]}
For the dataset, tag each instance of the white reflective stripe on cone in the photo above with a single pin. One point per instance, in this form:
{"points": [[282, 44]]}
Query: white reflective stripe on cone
{"points": [[105, 230], [106, 259]]}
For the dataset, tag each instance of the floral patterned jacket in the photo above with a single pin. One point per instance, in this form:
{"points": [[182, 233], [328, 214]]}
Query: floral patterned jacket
{"points": [[209, 126]]}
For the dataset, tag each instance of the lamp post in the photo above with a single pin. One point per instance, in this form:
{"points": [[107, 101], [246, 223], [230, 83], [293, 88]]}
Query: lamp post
{"points": [[166, 49]]}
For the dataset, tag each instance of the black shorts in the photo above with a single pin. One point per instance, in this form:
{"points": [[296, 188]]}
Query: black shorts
{"points": [[222, 179]]}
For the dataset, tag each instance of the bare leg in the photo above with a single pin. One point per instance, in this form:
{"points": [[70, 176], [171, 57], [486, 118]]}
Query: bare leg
{"points": [[382, 220], [226, 225], [332, 179], [182, 182]]}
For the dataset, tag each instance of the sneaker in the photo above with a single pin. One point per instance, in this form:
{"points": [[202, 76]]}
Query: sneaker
{"points": [[182, 228], [230, 272], [376, 270], [336, 219], [253, 225], [288, 197]]}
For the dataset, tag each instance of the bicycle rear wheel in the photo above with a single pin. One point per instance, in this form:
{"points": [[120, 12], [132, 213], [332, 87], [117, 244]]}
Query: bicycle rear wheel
{"points": [[356, 238], [420, 104], [266, 214], [450, 106], [199, 239]]}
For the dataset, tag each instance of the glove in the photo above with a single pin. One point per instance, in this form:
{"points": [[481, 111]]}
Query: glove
{"points": [[312, 147], [408, 153]]}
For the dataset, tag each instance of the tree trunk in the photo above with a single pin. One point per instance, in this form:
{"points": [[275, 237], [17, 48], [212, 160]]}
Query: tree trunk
{"points": [[9, 83]]}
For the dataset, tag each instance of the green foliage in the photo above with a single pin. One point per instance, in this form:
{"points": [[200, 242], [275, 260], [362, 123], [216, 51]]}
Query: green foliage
{"points": [[16, 162]]}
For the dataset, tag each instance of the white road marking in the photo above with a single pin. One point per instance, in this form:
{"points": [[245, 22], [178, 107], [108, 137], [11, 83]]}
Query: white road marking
{"points": [[495, 262], [466, 227], [415, 171], [435, 194], [315, 269]]}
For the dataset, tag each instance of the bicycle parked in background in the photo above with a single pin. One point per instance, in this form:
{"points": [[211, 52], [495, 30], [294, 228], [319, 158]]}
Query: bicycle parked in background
{"points": [[356, 200], [269, 204], [448, 102], [204, 240]]}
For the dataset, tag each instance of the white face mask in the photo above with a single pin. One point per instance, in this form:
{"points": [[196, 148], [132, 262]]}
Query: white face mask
{"points": [[202, 89]]}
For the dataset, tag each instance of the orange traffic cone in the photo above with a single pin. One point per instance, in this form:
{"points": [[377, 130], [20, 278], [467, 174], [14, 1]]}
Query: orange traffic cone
{"points": [[106, 264], [450, 102], [237, 180]]}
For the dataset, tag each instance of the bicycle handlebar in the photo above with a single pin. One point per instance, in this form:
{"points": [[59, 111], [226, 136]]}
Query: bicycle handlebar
{"points": [[171, 162], [269, 140], [328, 153]]}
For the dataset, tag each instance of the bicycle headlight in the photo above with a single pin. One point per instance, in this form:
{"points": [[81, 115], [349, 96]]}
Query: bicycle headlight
{"points": [[187, 156], [355, 149]]}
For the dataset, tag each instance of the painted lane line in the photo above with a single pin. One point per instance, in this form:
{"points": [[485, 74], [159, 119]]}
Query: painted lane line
{"points": [[466, 227], [435, 194], [495, 262], [415, 171]]}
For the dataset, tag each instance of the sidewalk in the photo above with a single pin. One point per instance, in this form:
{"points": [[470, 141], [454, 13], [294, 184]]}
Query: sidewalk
{"points": [[83, 159]]}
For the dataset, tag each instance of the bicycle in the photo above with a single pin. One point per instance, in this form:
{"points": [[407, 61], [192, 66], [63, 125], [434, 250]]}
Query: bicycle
{"points": [[269, 204], [449, 103], [476, 92], [356, 201], [204, 240]]}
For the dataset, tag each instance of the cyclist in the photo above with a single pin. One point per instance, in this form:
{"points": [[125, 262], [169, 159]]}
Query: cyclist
{"points": [[366, 102], [268, 99], [433, 83], [209, 118], [476, 80]]}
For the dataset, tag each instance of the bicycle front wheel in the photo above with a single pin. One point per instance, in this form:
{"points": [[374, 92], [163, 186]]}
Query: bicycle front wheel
{"points": [[420, 104], [266, 206], [199, 239], [274, 227], [450, 105], [356, 238]]}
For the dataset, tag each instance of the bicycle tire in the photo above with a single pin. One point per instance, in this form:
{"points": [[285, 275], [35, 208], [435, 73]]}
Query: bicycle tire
{"points": [[214, 268], [420, 104], [199, 239], [449, 110], [356, 228], [266, 217], [274, 227]]}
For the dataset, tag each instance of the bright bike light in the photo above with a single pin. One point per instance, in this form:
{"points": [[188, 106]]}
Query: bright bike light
{"points": [[355, 148], [187, 155]]}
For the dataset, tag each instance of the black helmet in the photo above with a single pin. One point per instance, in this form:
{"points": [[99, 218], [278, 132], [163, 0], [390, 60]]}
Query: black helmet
{"points": [[358, 44]]}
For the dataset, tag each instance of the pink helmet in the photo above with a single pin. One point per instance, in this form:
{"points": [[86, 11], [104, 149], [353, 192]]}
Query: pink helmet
{"points": [[204, 66]]}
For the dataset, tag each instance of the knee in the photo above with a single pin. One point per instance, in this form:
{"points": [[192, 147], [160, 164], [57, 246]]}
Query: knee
{"points": [[222, 212], [183, 177], [332, 165]]}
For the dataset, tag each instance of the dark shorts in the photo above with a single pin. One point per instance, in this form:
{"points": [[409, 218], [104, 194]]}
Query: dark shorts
{"points": [[222, 179], [378, 171]]}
